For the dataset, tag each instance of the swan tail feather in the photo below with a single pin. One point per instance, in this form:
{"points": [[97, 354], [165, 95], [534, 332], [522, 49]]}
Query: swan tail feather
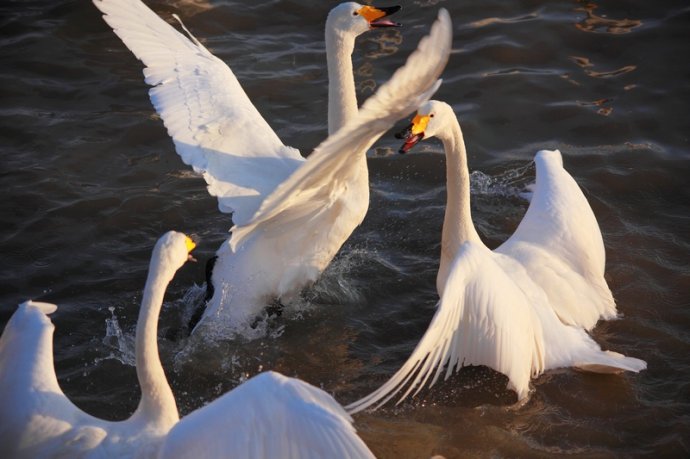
{"points": [[609, 362], [474, 324]]}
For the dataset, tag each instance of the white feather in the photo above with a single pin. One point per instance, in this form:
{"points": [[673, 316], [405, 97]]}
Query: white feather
{"points": [[495, 309], [559, 243], [268, 416], [215, 127]]}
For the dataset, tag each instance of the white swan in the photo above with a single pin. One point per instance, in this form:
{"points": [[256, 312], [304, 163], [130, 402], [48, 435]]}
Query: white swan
{"points": [[494, 309], [268, 416], [218, 131], [291, 216], [38, 420]]}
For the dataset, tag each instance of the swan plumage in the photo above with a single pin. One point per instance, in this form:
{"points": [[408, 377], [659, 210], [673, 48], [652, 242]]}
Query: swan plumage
{"points": [[560, 244], [218, 131], [493, 309], [290, 216], [268, 416]]}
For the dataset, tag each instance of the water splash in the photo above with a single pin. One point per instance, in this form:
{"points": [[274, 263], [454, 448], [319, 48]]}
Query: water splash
{"points": [[508, 184], [121, 345], [190, 301]]}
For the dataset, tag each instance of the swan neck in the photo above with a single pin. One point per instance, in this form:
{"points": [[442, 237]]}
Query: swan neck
{"points": [[157, 403], [342, 98], [458, 227]]}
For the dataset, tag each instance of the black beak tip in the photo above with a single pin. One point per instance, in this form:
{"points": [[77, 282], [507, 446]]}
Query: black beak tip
{"points": [[402, 151]]}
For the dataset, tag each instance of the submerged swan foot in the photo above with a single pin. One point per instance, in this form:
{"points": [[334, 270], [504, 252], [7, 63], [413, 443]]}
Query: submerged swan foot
{"points": [[210, 290]]}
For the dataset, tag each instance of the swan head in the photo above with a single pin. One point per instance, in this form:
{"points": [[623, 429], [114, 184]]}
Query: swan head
{"points": [[355, 19], [173, 250], [432, 119]]}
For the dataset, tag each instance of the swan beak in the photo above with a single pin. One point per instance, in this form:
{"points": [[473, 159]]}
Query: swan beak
{"points": [[375, 16], [190, 246], [413, 133]]}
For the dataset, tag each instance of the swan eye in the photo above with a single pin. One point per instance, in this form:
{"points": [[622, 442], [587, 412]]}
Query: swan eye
{"points": [[431, 116], [355, 13]]}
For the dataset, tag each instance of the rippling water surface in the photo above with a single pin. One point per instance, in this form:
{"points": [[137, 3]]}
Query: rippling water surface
{"points": [[90, 180]]}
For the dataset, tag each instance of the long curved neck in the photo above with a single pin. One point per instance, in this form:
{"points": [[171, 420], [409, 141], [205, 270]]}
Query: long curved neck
{"points": [[457, 222], [157, 403], [342, 98]]}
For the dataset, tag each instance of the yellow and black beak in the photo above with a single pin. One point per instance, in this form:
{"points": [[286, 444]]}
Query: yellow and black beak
{"points": [[190, 246], [376, 17], [413, 133]]}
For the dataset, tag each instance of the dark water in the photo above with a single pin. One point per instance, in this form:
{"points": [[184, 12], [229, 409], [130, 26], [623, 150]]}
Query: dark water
{"points": [[90, 180]]}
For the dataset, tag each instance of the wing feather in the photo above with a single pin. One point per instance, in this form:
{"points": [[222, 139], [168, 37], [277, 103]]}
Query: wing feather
{"points": [[268, 416], [215, 127], [483, 318], [560, 244]]}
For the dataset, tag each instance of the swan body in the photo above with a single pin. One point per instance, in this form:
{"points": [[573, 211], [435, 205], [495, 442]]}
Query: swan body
{"points": [[290, 216], [218, 131], [493, 308], [268, 416]]}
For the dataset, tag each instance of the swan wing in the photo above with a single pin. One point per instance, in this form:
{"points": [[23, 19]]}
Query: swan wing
{"points": [[560, 244], [319, 184], [215, 127], [266, 417], [482, 318], [34, 408], [26, 350]]}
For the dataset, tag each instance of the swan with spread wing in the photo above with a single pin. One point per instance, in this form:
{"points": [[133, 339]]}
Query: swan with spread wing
{"points": [[268, 416], [38, 420], [290, 215], [500, 308]]}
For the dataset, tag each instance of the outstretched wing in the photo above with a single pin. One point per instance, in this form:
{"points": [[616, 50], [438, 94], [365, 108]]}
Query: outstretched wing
{"points": [[319, 183], [31, 399], [559, 243], [268, 416], [215, 127], [26, 349], [483, 318]]}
